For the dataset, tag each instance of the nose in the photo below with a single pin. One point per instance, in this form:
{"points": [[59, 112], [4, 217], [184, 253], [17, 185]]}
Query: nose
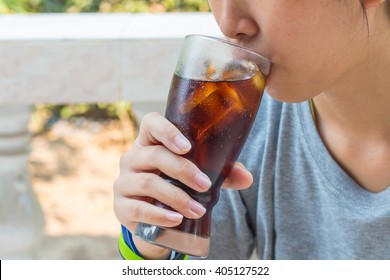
{"points": [[234, 19]]}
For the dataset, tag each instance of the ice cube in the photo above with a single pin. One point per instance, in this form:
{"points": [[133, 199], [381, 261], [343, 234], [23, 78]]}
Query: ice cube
{"points": [[239, 70], [259, 81], [202, 91], [211, 72], [214, 110]]}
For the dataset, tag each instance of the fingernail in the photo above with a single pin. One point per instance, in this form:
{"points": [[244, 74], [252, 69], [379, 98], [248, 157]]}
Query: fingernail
{"points": [[182, 143], [202, 181], [174, 217], [241, 167], [197, 208]]}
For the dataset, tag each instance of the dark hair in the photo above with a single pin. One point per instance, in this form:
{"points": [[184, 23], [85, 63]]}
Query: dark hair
{"points": [[364, 13], [387, 3], [364, 9], [388, 7]]}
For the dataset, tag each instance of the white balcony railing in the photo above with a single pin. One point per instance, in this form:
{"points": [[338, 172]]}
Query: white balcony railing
{"points": [[69, 58]]}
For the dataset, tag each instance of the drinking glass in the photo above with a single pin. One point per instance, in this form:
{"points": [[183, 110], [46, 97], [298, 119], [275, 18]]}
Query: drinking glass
{"points": [[213, 100]]}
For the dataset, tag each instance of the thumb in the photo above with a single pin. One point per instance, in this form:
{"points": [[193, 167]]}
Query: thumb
{"points": [[239, 178]]}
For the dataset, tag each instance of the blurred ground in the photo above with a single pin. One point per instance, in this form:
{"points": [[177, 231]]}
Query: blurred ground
{"points": [[73, 166]]}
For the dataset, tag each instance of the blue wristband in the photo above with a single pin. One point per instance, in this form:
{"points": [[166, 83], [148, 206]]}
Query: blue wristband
{"points": [[128, 240], [127, 236]]}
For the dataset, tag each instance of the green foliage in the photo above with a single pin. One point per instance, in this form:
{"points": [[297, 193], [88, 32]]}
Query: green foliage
{"points": [[116, 110], [3, 7], [82, 6], [45, 115]]}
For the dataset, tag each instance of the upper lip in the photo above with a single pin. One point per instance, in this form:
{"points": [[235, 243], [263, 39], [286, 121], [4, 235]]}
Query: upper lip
{"points": [[251, 46]]}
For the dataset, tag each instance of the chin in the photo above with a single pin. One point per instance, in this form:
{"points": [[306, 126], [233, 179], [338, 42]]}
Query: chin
{"points": [[285, 90], [286, 95]]}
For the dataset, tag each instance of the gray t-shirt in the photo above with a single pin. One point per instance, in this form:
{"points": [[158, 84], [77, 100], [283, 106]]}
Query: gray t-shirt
{"points": [[302, 204]]}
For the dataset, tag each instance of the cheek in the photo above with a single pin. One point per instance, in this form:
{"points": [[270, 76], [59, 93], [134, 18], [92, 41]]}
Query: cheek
{"points": [[292, 64], [304, 66]]}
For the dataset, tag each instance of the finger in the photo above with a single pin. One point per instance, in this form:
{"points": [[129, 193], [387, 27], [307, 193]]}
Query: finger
{"points": [[141, 211], [239, 178], [157, 157], [152, 185], [155, 129]]}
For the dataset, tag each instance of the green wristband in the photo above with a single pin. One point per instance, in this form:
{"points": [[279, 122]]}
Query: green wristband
{"points": [[129, 254], [125, 251]]}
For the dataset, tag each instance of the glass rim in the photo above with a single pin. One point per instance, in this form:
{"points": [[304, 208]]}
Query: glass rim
{"points": [[225, 41]]}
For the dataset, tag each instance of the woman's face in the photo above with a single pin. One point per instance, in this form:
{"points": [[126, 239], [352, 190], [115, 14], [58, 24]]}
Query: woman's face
{"points": [[314, 45]]}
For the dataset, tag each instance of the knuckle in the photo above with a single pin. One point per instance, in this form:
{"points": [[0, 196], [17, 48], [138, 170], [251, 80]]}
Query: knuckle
{"points": [[117, 185], [153, 156], [179, 197], [126, 160], [186, 167], [135, 210], [151, 116], [140, 213], [121, 209], [121, 185], [145, 180], [154, 151], [149, 119]]}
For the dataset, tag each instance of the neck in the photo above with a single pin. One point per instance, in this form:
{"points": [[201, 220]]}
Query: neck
{"points": [[359, 104], [353, 119]]}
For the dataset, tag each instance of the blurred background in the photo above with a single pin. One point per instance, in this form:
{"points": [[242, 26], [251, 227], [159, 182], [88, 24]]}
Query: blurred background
{"points": [[82, 6], [75, 149]]}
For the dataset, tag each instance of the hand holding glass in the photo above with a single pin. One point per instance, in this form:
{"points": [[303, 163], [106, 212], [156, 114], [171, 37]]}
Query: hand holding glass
{"points": [[214, 98]]}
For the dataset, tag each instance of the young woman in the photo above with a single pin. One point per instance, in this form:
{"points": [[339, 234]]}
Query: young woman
{"points": [[314, 177]]}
